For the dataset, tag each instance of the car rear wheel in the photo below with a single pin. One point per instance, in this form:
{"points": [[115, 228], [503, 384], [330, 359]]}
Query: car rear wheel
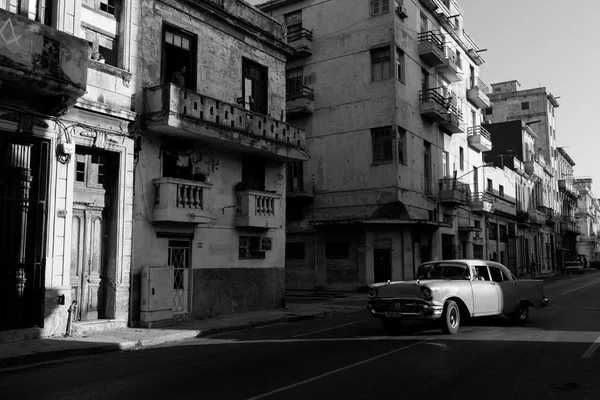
{"points": [[521, 314], [450, 317], [391, 325]]}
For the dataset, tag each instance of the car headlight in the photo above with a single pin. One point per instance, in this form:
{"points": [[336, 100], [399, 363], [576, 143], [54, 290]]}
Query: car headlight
{"points": [[426, 292], [372, 292]]}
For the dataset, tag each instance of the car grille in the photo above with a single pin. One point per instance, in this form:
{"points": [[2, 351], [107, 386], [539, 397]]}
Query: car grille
{"points": [[405, 306]]}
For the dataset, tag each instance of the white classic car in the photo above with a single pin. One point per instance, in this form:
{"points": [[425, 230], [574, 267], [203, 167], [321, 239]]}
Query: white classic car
{"points": [[447, 290]]}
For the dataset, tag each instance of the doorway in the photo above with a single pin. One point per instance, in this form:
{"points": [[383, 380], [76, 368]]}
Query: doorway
{"points": [[179, 258], [447, 247], [90, 238], [382, 265]]}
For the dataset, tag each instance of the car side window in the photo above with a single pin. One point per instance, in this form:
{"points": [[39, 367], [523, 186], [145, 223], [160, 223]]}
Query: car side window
{"points": [[505, 275], [496, 274], [482, 273]]}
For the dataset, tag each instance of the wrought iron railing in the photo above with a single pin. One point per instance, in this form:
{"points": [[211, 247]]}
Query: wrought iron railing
{"points": [[479, 130], [433, 38], [298, 93], [482, 86], [296, 33], [434, 95], [452, 184]]}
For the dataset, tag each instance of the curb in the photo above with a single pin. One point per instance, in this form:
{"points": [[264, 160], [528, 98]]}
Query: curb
{"points": [[93, 349]]}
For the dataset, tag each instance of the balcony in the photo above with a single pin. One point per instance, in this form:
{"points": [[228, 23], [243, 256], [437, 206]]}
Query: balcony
{"points": [[481, 203], [505, 206], [479, 138], [568, 225], [451, 67], [452, 122], [431, 48], [566, 186], [180, 200], [551, 216], [536, 217], [256, 209], [301, 40], [452, 192], [518, 165], [299, 102], [182, 113], [534, 168], [429, 4], [43, 69], [478, 94], [434, 106]]}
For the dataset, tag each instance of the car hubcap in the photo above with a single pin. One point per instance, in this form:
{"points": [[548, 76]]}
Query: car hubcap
{"points": [[453, 317]]}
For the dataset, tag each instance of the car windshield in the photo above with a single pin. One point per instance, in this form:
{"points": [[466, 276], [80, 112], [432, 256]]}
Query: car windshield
{"points": [[443, 271]]}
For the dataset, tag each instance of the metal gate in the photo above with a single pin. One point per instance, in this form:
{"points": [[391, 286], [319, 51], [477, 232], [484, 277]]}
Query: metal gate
{"points": [[179, 258], [24, 164]]}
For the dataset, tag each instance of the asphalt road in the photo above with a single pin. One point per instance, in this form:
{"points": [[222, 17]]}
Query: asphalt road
{"points": [[349, 356]]}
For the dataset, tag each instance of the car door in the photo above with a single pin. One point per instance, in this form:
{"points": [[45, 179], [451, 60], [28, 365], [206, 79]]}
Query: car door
{"points": [[485, 292], [507, 289]]}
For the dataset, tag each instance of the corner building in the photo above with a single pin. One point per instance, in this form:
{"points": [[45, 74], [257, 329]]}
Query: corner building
{"points": [[390, 97]]}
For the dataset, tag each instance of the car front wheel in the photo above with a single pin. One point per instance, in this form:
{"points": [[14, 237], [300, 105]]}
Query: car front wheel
{"points": [[450, 317]]}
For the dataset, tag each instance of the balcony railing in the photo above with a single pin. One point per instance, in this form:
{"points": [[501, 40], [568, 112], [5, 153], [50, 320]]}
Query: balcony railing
{"points": [[452, 191], [532, 167], [536, 217], [301, 40], [569, 225], [298, 93], [479, 138], [451, 67], [171, 110], [299, 102], [481, 203], [43, 70], [478, 94], [180, 200], [431, 48], [258, 209], [566, 185]]}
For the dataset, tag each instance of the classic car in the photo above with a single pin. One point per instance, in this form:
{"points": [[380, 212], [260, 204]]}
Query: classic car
{"points": [[449, 290], [574, 266]]}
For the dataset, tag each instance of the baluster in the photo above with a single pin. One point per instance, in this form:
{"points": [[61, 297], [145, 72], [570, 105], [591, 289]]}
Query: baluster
{"points": [[184, 200], [179, 196], [272, 207], [198, 197], [259, 204]]}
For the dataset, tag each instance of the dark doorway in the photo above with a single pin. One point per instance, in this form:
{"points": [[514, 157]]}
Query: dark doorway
{"points": [[24, 162], [382, 264], [447, 247], [254, 87]]}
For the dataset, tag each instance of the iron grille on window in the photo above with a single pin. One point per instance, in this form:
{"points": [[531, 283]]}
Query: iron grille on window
{"points": [[247, 246]]}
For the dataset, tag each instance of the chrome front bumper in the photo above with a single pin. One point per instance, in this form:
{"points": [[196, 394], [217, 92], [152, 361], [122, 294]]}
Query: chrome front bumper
{"points": [[404, 309]]}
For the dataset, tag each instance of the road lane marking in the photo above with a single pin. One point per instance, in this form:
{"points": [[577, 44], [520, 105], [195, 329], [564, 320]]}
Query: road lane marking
{"points": [[581, 287], [590, 351], [335, 371], [323, 330]]}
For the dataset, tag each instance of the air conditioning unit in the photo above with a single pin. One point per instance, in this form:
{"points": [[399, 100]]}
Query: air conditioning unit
{"points": [[401, 11]]}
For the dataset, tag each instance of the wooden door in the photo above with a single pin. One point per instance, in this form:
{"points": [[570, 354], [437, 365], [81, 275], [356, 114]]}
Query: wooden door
{"points": [[87, 263]]}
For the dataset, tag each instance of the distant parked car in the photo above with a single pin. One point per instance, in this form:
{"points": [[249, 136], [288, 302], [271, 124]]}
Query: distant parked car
{"points": [[574, 266], [449, 290]]}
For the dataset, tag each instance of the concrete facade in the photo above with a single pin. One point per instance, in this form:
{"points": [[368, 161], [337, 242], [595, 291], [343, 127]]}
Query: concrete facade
{"points": [[211, 151], [587, 218], [392, 113], [66, 126]]}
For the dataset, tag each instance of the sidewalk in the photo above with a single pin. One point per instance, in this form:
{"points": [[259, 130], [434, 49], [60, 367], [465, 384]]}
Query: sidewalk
{"points": [[300, 306]]}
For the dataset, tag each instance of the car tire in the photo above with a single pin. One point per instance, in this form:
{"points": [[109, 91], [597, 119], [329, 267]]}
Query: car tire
{"points": [[521, 314], [391, 325], [450, 318]]}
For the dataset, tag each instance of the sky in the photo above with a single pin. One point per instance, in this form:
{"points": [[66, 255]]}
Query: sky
{"points": [[545, 43]]}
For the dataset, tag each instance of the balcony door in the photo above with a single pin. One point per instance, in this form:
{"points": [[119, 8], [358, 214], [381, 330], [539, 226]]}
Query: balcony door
{"points": [[179, 51], [254, 86]]}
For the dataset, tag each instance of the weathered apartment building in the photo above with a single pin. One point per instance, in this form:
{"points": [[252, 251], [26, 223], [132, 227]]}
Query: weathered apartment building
{"points": [[66, 163], [546, 228], [210, 156], [390, 97], [587, 213]]}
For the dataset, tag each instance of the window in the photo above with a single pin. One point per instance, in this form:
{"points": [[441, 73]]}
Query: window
{"points": [[482, 273], [426, 167], [176, 164], [478, 251], [294, 83], [501, 190], [503, 234], [477, 224], [382, 144], [493, 231], [380, 64], [248, 248], [337, 250], [461, 158], [424, 79], [488, 111], [525, 105], [295, 178], [445, 164], [490, 185], [293, 23], [400, 65], [379, 7], [253, 173], [90, 170], [496, 274], [103, 48], [254, 86], [178, 54], [402, 146], [294, 251], [423, 23]]}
